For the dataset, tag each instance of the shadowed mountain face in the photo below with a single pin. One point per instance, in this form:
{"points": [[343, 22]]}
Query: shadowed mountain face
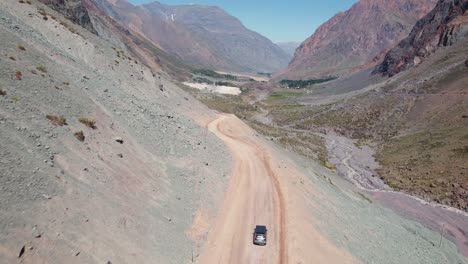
{"points": [[203, 36], [356, 39], [443, 26], [289, 47]]}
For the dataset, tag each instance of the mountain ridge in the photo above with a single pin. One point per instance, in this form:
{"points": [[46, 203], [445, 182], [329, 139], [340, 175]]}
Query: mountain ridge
{"points": [[354, 39], [445, 25], [203, 36]]}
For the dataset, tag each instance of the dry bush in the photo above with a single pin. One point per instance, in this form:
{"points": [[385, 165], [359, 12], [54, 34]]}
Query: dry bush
{"points": [[57, 120], [42, 12], [80, 136], [2, 92], [12, 58], [21, 47], [88, 122], [18, 75]]}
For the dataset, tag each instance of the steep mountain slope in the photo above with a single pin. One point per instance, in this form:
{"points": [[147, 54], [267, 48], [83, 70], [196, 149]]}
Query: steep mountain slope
{"points": [[444, 26], [202, 36], [124, 189], [289, 47], [87, 14], [355, 39]]}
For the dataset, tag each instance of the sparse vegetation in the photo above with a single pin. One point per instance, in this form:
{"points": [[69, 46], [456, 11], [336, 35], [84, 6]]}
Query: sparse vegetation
{"points": [[18, 75], [15, 99], [284, 95], [305, 144], [225, 84], [57, 120], [42, 68], [364, 197], [324, 161], [21, 47], [80, 136], [297, 84], [202, 80], [71, 29], [88, 122], [214, 74]]}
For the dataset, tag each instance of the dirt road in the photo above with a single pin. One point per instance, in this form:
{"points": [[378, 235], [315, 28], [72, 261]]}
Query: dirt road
{"points": [[254, 197], [257, 195]]}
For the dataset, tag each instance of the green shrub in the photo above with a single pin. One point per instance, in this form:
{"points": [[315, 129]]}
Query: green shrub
{"points": [[42, 68]]}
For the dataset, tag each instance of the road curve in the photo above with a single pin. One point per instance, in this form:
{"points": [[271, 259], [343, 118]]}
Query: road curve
{"points": [[254, 196], [263, 190]]}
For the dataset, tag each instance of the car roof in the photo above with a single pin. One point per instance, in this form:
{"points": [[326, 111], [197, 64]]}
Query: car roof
{"points": [[260, 229]]}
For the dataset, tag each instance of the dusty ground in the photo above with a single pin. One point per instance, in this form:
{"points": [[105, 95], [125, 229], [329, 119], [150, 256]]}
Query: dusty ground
{"points": [[67, 201], [312, 215]]}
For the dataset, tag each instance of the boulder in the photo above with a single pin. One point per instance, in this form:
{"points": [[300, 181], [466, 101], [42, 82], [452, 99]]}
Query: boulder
{"points": [[119, 140]]}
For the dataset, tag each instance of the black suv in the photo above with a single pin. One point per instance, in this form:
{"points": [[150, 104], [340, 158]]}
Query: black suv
{"points": [[260, 235]]}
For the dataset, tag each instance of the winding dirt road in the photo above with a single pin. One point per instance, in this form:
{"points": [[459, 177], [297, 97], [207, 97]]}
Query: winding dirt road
{"points": [[258, 194]]}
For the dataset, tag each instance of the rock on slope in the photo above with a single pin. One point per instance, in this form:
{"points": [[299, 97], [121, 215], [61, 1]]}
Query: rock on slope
{"points": [[353, 39], [73, 10], [443, 26], [104, 199], [202, 36]]}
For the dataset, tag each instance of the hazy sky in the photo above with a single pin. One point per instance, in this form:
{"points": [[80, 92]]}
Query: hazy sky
{"points": [[291, 20]]}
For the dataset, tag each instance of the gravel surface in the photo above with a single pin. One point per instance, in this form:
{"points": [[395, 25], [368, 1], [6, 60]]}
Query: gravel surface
{"points": [[99, 200]]}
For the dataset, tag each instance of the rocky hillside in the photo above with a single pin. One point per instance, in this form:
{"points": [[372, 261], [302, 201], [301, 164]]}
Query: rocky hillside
{"points": [[88, 15], [355, 39], [444, 26], [100, 161], [74, 10], [203, 36]]}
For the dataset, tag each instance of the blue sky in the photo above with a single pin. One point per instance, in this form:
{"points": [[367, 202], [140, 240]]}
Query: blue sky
{"points": [[292, 20]]}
